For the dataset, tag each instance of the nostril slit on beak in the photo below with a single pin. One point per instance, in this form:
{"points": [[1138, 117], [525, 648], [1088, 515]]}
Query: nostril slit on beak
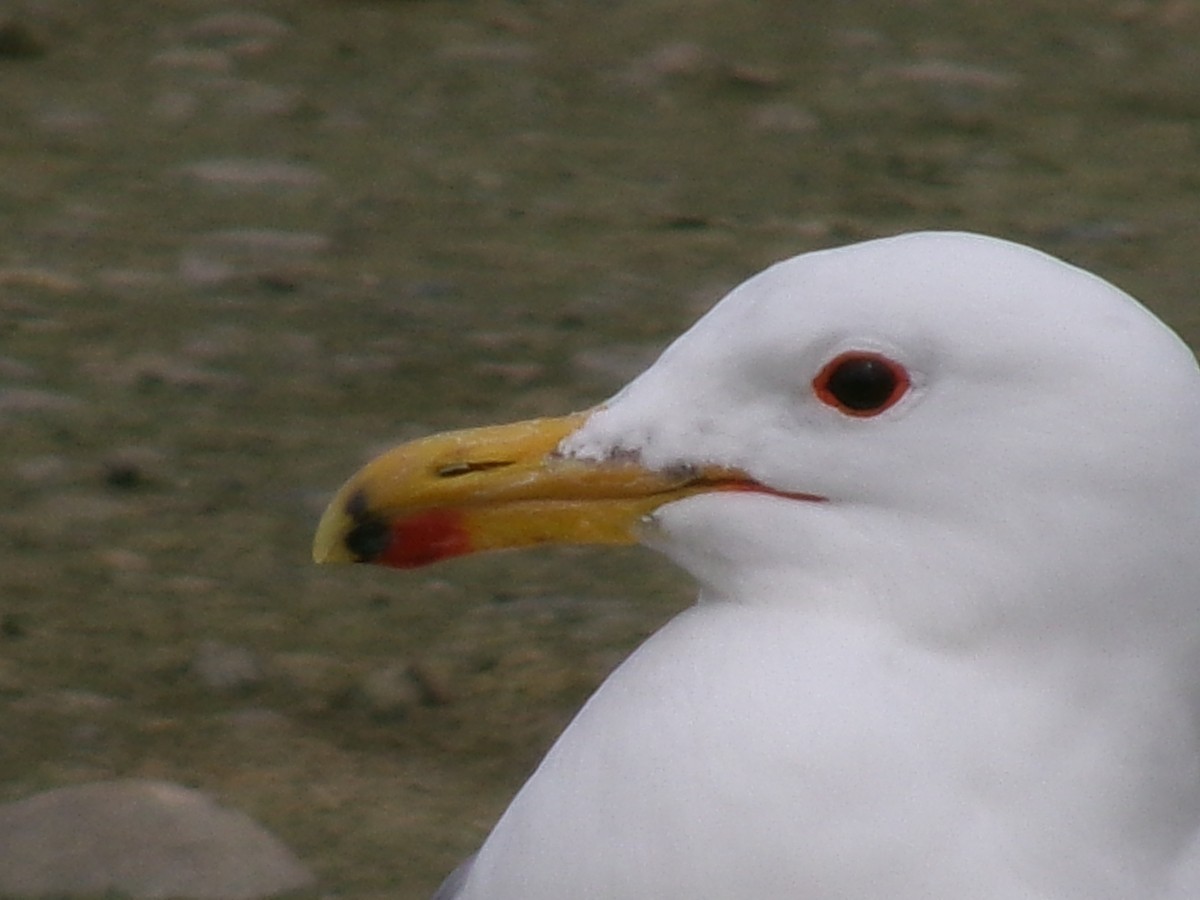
{"points": [[682, 472], [466, 467]]}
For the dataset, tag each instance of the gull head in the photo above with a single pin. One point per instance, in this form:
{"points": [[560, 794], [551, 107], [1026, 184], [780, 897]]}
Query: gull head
{"points": [[959, 404], [932, 403]]}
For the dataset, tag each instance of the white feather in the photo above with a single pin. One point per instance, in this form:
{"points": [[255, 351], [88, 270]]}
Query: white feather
{"points": [[972, 674]]}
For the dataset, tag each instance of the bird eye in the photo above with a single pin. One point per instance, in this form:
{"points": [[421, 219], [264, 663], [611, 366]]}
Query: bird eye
{"points": [[859, 383]]}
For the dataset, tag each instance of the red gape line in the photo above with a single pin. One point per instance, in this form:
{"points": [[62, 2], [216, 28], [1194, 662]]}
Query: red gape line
{"points": [[755, 488], [424, 538]]}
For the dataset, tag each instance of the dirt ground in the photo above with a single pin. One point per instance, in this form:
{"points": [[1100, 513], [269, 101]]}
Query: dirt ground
{"points": [[246, 245]]}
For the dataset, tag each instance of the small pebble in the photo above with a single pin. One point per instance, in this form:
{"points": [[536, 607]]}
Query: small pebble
{"points": [[130, 468], [226, 668], [947, 73], [678, 58], [19, 41], [755, 76], [253, 99], [322, 681], [175, 106], [123, 476], [433, 681], [219, 342], [198, 59], [47, 280], [130, 281], [223, 256], [390, 692], [70, 121], [192, 584], [242, 175], [237, 32], [499, 51], [783, 118], [147, 371], [15, 370], [86, 701], [124, 561], [257, 719], [26, 401], [42, 470], [10, 677]]}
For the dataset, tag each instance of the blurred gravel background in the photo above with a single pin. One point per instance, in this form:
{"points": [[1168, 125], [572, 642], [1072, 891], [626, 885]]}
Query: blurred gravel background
{"points": [[245, 245]]}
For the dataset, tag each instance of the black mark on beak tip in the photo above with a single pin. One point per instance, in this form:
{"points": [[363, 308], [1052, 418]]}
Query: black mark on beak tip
{"points": [[369, 535]]}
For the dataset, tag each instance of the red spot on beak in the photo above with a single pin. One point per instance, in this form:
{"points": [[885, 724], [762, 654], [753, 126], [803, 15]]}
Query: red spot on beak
{"points": [[425, 537]]}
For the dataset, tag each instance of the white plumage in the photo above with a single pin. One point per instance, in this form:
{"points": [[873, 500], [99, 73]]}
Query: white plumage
{"points": [[970, 674]]}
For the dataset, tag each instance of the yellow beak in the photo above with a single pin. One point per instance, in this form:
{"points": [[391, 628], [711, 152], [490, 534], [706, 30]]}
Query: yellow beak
{"points": [[495, 488]]}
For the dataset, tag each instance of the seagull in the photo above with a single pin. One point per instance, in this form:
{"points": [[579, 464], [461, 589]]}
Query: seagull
{"points": [[941, 496]]}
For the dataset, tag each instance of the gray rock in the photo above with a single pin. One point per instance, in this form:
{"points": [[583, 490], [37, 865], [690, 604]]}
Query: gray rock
{"points": [[141, 838]]}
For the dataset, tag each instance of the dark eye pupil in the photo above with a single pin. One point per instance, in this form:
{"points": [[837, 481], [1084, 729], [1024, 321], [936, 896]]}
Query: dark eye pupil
{"points": [[862, 384]]}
